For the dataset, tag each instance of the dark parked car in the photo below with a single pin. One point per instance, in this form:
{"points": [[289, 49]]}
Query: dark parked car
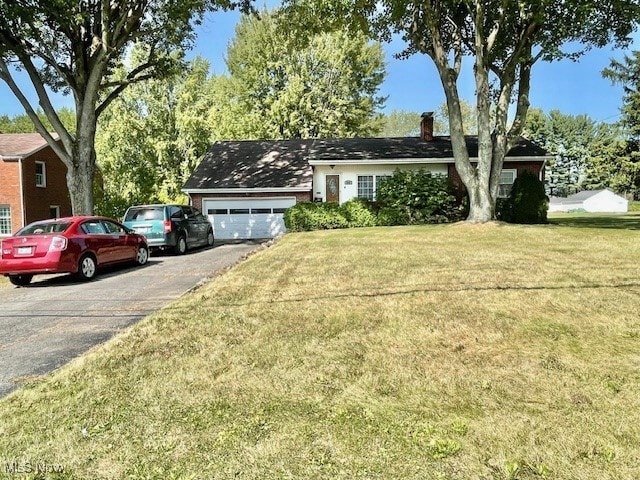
{"points": [[69, 245], [176, 227]]}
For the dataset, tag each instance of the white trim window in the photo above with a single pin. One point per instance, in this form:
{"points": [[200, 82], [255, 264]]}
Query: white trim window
{"points": [[368, 185], [41, 174], [507, 177], [365, 186], [5, 220], [54, 211]]}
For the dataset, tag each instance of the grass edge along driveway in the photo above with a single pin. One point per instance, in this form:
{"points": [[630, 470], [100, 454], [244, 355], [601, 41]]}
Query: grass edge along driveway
{"points": [[455, 351]]}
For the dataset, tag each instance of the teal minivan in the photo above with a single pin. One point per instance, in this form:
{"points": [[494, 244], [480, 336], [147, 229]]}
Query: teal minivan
{"points": [[170, 227]]}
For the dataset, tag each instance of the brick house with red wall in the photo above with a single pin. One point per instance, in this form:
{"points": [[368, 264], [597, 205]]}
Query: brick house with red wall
{"points": [[33, 183], [243, 187]]}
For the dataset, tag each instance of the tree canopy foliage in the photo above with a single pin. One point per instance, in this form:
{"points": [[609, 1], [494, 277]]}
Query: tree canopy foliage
{"points": [[278, 87], [402, 123], [626, 171], [570, 139], [503, 39], [588, 155], [75, 47], [627, 73], [151, 137], [21, 123]]}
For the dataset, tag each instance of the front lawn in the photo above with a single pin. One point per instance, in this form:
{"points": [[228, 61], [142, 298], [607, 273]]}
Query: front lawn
{"points": [[435, 352]]}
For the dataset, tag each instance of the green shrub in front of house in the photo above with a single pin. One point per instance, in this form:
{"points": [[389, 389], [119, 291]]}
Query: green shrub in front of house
{"points": [[307, 216], [527, 202], [416, 196], [358, 213], [407, 197]]}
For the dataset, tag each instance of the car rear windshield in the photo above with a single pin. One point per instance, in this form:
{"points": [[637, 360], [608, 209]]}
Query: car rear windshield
{"points": [[144, 213], [44, 228]]}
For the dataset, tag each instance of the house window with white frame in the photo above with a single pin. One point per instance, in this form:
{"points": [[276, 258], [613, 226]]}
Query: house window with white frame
{"points": [[365, 186], [368, 185], [507, 177], [5, 220], [41, 174]]}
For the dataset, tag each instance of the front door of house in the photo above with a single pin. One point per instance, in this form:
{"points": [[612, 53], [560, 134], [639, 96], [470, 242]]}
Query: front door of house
{"points": [[333, 188]]}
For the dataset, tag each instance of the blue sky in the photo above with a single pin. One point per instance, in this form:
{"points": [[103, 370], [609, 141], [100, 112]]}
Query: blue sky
{"points": [[412, 84]]}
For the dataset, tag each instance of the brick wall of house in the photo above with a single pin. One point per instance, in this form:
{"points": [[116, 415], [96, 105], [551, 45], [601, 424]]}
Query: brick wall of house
{"points": [[10, 191], [520, 167], [38, 200], [196, 198]]}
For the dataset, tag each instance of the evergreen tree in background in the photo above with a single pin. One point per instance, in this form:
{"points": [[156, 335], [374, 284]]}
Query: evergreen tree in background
{"points": [[627, 168], [572, 140]]}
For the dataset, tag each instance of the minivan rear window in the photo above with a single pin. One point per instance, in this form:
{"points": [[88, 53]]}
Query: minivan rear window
{"points": [[145, 213]]}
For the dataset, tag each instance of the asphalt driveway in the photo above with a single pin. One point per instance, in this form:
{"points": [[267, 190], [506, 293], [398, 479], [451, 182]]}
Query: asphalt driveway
{"points": [[55, 319]]}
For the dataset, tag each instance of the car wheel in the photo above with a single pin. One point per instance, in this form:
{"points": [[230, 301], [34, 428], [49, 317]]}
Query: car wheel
{"points": [[181, 245], [20, 280], [143, 255], [87, 267], [210, 238]]}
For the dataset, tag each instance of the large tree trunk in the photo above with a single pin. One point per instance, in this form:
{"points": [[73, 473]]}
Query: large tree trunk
{"points": [[481, 203], [83, 158], [80, 182]]}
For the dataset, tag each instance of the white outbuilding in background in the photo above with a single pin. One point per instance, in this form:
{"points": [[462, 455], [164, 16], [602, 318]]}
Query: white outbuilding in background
{"points": [[603, 201]]}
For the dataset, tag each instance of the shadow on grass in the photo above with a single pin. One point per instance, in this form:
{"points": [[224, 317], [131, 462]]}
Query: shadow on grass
{"points": [[426, 289], [621, 221]]}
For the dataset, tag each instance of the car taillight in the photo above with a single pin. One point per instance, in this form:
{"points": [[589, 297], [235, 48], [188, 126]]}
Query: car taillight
{"points": [[167, 226], [58, 244]]}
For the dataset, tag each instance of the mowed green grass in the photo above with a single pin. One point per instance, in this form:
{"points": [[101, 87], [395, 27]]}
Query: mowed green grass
{"points": [[435, 352]]}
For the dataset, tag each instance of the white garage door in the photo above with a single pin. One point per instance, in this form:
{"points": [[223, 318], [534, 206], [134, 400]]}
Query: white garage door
{"points": [[247, 217]]}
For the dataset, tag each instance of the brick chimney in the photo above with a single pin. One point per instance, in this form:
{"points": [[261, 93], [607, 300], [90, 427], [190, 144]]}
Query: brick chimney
{"points": [[426, 127]]}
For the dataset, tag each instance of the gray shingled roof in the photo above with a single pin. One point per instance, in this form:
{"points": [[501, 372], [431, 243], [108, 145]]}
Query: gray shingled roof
{"points": [[254, 164], [285, 163], [584, 195]]}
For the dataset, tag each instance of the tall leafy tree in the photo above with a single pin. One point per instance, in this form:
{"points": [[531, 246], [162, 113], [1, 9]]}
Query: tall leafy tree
{"points": [[503, 39], [279, 88], [74, 46], [151, 137]]}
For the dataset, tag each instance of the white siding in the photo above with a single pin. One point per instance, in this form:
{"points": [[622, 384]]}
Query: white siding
{"points": [[349, 176]]}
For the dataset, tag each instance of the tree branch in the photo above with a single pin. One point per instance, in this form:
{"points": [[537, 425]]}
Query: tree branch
{"points": [[132, 78], [5, 75]]}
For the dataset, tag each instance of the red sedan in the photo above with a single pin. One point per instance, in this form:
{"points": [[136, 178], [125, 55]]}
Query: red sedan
{"points": [[78, 245]]}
